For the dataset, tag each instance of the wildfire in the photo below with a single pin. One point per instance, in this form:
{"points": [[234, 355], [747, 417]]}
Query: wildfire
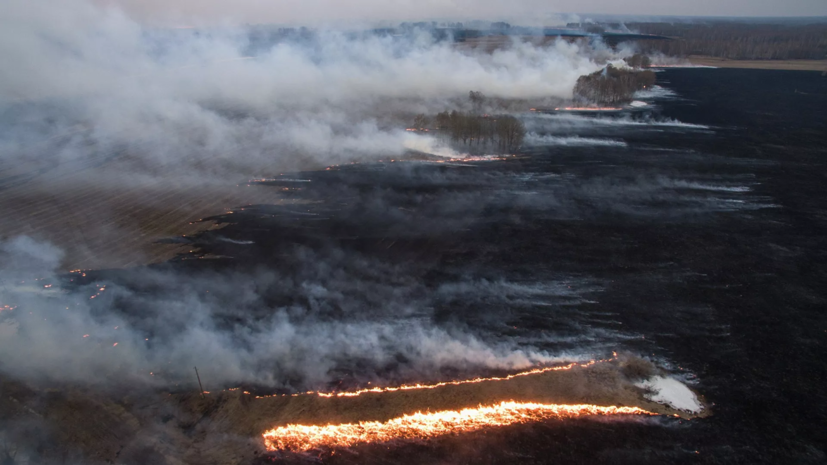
{"points": [[588, 109], [429, 425], [408, 387], [468, 158], [97, 294]]}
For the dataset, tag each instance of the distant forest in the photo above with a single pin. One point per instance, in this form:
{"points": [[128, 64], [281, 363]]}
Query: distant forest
{"points": [[737, 41]]}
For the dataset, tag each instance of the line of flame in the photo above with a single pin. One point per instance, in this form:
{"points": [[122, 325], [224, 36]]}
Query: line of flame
{"points": [[588, 108], [408, 387], [429, 425]]}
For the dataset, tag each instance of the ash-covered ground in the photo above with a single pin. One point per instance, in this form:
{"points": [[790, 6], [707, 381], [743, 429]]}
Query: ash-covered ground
{"points": [[696, 240], [692, 235]]}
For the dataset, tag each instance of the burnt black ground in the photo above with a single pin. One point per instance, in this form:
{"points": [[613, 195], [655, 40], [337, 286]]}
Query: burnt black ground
{"points": [[702, 247]]}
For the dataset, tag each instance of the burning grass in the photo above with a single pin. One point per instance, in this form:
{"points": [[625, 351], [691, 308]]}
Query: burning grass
{"points": [[328, 420], [234, 426], [429, 425]]}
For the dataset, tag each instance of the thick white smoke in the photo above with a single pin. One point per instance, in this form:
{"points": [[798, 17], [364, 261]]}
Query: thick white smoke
{"points": [[81, 82], [81, 78], [224, 325]]}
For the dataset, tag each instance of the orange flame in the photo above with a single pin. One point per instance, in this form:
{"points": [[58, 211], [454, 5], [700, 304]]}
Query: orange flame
{"points": [[429, 425], [408, 387], [587, 109]]}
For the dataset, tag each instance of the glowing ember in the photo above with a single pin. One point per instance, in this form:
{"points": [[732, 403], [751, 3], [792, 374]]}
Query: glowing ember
{"points": [[408, 387], [429, 425], [588, 109]]}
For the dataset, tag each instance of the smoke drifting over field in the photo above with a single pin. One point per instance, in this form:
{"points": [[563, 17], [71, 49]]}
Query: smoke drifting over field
{"points": [[364, 281], [89, 79], [91, 84], [284, 244], [535, 11], [348, 312]]}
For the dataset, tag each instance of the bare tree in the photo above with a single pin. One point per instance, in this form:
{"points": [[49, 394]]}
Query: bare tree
{"points": [[612, 85], [477, 100], [505, 132], [737, 41], [421, 122]]}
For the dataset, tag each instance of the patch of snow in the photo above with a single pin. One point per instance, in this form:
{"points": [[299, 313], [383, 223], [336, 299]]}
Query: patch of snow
{"points": [[671, 392]]}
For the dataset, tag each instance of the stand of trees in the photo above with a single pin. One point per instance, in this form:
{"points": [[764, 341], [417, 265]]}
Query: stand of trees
{"points": [[504, 133], [612, 85], [737, 41], [501, 133]]}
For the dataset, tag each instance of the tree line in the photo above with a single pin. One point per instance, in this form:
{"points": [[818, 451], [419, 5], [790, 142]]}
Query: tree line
{"points": [[503, 133], [612, 85], [737, 41]]}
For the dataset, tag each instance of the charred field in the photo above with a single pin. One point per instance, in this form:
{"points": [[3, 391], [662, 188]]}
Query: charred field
{"points": [[692, 237]]}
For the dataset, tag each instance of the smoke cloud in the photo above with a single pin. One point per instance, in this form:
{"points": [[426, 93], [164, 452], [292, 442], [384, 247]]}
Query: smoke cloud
{"points": [[90, 83], [90, 80], [340, 314], [536, 11]]}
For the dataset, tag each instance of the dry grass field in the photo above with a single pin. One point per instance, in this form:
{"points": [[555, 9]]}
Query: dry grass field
{"points": [[104, 216]]}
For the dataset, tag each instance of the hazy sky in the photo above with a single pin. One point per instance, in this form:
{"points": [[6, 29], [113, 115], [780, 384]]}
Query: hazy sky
{"points": [[284, 11]]}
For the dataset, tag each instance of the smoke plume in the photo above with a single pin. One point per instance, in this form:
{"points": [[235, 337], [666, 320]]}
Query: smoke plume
{"points": [[89, 80]]}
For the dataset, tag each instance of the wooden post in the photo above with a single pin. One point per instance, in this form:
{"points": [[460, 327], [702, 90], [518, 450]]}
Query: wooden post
{"points": [[199, 381]]}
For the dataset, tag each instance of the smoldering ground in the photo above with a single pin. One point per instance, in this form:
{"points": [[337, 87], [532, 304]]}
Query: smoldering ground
{"points": [[91, 87], [105, 120], [336, 310], [707, 288], [371, 275], [379, 272]]}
